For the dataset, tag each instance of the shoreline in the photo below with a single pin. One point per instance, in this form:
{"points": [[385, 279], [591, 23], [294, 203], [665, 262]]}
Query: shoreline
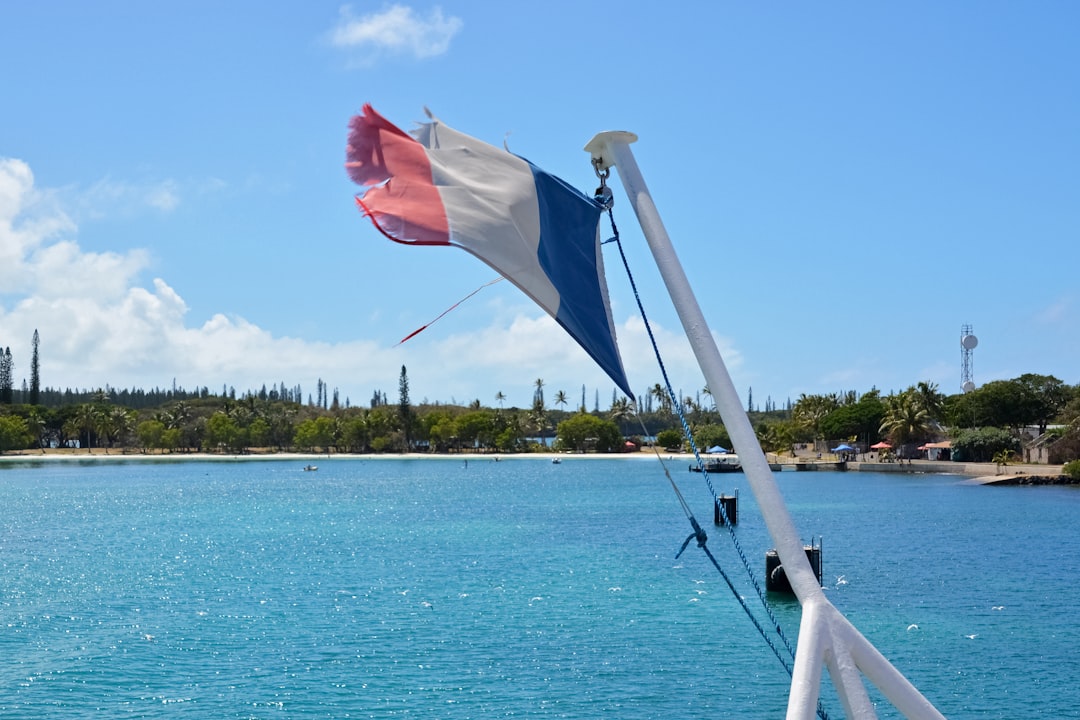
{"points": [[99, 454], [980, 473]]}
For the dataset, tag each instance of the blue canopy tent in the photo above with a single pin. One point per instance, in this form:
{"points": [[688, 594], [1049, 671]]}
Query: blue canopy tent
{"points": [[843, 448], [716, 449]]}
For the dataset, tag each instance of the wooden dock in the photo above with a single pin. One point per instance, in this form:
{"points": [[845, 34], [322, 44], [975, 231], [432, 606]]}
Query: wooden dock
{"points": [[808, 465]]}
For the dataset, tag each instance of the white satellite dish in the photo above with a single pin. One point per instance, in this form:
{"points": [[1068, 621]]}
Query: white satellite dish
{"points": [[969, 342], [969, 386]]}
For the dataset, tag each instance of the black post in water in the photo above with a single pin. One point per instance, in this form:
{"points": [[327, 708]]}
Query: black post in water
{"points": [[731, 509]]}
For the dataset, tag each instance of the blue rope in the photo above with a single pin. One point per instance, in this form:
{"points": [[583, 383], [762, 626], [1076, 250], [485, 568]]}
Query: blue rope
{"points": [[698, 533]]}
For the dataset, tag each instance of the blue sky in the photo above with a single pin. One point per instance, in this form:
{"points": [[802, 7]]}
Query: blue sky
{"points": [[847, 184]]}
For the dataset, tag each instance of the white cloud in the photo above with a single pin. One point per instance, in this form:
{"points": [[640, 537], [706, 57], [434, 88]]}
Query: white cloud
{"points": [[99, 326], [509, 355], [108, 197], [27, 219], [397, 30], [164, 196]]}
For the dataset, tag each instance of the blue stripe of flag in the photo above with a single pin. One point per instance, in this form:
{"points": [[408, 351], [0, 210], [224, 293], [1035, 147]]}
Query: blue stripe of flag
{"points": [[567, 253]]}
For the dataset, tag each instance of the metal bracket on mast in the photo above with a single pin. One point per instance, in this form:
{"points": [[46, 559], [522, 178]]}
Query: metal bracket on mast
{"points": [[598, 148], [603, 193]]}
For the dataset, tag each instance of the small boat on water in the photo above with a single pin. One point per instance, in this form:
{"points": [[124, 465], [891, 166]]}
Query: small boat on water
{"points": [[556, 461], [310, 468], [723, 464]]}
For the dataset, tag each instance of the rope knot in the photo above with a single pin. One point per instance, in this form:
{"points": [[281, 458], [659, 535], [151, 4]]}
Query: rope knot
{"points": [[698, 534]]}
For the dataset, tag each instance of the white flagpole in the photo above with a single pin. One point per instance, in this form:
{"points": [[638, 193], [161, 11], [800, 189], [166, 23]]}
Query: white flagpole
{"points": [[825, 635]]}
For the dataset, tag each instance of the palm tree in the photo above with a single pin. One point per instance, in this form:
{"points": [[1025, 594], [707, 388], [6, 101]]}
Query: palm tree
{"points": [[931, 400], [88, 419], [117, 423], [280, 417], [906, 420], [1001, 459], [662, 397], [621, 410], [36, 425], [538, 396], [777, 436], [810, 410], [241, 415], [177, 416], [539, 420]]}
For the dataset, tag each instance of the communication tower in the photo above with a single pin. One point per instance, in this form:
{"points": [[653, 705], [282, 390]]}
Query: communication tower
{"points": [[968, 342]]}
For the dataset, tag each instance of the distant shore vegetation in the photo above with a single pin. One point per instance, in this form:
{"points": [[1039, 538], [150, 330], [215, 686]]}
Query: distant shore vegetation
{"points": [[1000, 421]]}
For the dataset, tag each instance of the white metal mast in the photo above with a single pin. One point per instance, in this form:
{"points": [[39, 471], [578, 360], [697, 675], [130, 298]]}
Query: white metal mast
{"points": [[825, 636]]}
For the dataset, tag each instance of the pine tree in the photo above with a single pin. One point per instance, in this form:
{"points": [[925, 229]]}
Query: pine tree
{"points": [[7, 369], [35, 374], [404, 408]]}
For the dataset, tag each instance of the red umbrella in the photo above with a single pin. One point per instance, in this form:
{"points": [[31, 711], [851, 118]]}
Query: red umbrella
{"points": [[881, 446]]}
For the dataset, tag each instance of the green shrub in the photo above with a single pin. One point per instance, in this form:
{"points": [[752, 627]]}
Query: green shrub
{"points": [[1072, 469], [669, 439], [711, 434], [982, 444], [585, 432], [14, 434]]}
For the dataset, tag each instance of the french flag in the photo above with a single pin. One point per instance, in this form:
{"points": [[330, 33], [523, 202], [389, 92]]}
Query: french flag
{"points": [[438, 186]]}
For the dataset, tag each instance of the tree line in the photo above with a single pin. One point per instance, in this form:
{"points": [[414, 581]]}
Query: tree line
{"points": [[253, 422], [982, 424]]}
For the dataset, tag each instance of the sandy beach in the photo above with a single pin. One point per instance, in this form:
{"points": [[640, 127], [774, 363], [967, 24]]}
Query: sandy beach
{"points": [[982, 473], [61, 454]]}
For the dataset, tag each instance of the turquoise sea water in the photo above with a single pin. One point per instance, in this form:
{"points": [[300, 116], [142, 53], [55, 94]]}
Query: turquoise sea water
{"points": [[431, 589]]}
